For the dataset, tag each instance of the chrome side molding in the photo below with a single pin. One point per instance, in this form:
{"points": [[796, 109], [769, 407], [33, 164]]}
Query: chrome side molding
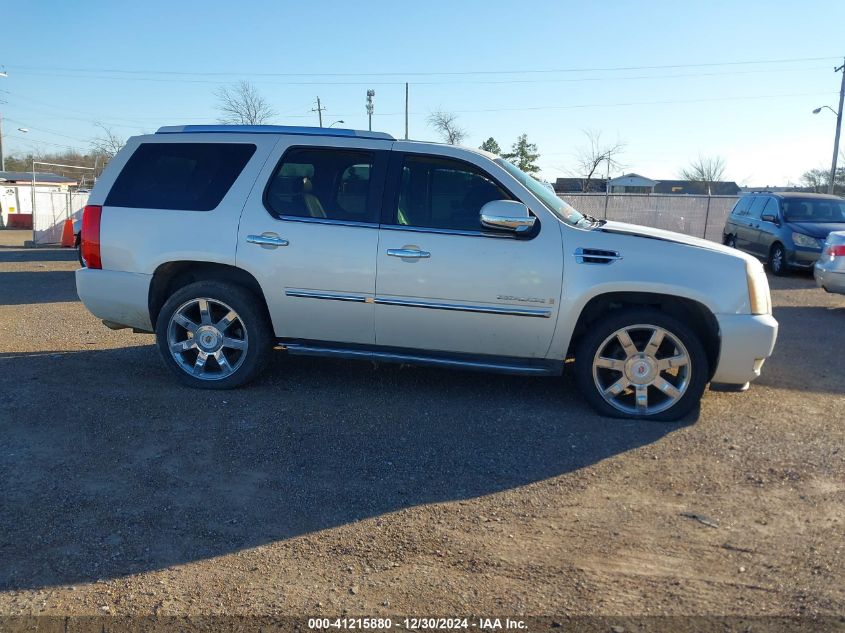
{"points": [[462, 307], [332, 296], [412, 303]]}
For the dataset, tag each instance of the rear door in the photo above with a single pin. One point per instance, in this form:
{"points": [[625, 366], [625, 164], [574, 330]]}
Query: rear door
{"points": [[309, 234], [748, 225], [446, 284]]}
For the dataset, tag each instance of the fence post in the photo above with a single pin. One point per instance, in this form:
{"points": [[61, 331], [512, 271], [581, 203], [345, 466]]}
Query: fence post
{"points": [[706, 216], [606, 196]]}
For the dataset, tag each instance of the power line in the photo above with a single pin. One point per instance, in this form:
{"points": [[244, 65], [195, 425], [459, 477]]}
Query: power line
{"points": [[442, 82], [419, 74]]}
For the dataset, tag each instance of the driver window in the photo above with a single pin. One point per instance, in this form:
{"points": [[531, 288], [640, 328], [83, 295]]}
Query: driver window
{"points": [[444, 194]]}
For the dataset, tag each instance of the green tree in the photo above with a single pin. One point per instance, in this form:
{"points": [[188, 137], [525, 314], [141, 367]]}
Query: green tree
{"points": [[490, 145], [524, 155]]}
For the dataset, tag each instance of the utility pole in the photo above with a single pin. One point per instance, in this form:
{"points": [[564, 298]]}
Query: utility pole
{"points": [[830, 187], [370, 107], [406, 110], [3, 73], [319, 110], [2, 155]]}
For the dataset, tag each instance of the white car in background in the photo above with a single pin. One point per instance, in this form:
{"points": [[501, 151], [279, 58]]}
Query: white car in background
{"points": [[227, 241]]}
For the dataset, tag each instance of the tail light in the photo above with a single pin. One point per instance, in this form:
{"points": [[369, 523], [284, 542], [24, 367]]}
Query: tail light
{"points": [[90, 247], [836, 250]]}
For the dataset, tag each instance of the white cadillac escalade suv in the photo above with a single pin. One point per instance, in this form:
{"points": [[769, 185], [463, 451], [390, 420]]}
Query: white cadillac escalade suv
{"points": [[228, 241]]}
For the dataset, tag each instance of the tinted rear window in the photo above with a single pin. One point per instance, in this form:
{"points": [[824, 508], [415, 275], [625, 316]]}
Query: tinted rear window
{"points": [[188, 176]]}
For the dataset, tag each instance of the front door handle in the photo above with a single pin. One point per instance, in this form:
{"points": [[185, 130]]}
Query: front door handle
{"points": [[267, 240], [408, 253]]}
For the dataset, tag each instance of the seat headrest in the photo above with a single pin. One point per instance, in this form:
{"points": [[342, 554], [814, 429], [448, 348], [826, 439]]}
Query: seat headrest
{"points": [[304, 185]]}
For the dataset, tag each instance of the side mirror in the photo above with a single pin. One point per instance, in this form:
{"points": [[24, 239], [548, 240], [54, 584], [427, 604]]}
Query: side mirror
{"points": [[507, 215], [769, 217]]}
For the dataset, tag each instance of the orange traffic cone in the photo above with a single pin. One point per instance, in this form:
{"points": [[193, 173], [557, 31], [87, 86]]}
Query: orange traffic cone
{"points": [[68, 238]]}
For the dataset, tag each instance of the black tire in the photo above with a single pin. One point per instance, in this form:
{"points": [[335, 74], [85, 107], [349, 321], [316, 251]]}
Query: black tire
{"points": [[77, 244], [253, 326], [730, 240], [600, 331], [777, 260]]}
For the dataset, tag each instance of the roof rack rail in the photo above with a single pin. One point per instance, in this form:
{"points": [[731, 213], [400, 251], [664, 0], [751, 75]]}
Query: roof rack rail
{"points": [[274, 129]]}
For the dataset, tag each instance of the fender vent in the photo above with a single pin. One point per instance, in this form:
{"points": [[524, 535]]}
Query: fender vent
{"points": [[595, 256]]}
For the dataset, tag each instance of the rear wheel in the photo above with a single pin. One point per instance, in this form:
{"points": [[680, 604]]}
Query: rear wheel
{"points": [[730, 240], [641, 363], [213, 335], [777, 260]]}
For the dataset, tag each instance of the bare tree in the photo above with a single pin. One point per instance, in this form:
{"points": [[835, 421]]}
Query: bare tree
{"points": [[241, 104], [107, 144], [446, 125], [595, 154], [816, 180], [706, 170]]}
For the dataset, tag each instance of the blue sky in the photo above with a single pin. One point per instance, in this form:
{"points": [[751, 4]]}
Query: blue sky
{"points": [[60, 59]]}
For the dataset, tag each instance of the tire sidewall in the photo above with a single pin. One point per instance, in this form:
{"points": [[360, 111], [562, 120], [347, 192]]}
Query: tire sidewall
{"points": [[253, 317], [780, 272], [598, 332]]}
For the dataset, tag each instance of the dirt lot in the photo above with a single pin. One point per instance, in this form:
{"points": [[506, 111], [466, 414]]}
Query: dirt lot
{"points": [[335, 487]]}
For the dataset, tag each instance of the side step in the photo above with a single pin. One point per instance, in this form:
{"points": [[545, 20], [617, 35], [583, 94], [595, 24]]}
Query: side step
{"points": [[504, 366]]}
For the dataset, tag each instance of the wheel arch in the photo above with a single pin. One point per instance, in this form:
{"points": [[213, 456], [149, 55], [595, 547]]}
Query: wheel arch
{"points": [[692, 312], [171, 276]]}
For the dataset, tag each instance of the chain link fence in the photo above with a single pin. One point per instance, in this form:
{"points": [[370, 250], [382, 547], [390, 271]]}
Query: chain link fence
{"points": [[699, 216]]}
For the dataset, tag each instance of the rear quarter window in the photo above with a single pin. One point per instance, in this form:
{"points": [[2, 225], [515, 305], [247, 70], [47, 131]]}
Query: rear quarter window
{"points": [[183, 176]]}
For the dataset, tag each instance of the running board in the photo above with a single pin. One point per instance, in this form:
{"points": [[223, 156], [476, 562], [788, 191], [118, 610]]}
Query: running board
{"points": [[539, 368]]}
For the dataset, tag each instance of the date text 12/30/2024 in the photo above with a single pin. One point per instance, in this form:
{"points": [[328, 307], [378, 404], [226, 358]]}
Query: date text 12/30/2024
{"points": [[413, 623]]}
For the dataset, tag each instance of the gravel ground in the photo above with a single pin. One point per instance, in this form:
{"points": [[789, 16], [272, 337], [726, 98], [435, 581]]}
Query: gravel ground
{"points": [[333, 487]]}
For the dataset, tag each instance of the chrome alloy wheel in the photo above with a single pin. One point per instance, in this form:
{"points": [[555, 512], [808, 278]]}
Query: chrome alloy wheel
{"points": [[207, 339], [642, 369]]}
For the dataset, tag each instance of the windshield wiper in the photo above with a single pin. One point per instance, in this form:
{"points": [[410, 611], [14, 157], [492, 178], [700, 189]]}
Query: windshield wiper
{"points": [[594, 221]]}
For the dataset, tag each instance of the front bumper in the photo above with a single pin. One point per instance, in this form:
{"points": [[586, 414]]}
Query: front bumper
{"points": [[747, 340], [119, 297], [803, 258], [830, 280]]}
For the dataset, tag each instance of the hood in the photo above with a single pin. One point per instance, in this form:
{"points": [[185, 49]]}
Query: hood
{"points": [[816, 229], [666, 236]]}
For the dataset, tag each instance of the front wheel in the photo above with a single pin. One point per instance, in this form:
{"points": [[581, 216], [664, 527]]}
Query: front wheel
{"points": [[730, 240], [777, 261], [641, 363], [214, 335]]}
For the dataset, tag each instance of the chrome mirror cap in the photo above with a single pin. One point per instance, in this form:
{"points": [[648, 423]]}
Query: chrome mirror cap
{"points": [[507, 215]]}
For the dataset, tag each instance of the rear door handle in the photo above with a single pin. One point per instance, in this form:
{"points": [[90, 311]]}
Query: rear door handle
{"points": [[408, 253], [267, 240]]}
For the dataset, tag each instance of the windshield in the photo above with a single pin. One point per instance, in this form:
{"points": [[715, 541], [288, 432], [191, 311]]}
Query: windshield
{"points": [[548, 197], [813, 210]]}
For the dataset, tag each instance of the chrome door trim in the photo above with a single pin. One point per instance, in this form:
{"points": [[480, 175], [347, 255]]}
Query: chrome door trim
{"points": [[299, 349], [458, 307], [408, 253], [309, 220], [332, 296], [422, 229]]}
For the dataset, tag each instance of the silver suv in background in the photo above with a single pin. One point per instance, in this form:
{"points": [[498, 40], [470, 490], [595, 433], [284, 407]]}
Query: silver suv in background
{"points": [[787, 230]]}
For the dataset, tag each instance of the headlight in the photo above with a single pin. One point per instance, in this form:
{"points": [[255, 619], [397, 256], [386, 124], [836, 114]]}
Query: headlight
{"points": [[805, 240], [758, 289]]}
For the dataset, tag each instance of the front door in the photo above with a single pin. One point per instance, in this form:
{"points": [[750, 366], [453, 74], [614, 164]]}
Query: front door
{"points": [[309, 234], [445, 284]]}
